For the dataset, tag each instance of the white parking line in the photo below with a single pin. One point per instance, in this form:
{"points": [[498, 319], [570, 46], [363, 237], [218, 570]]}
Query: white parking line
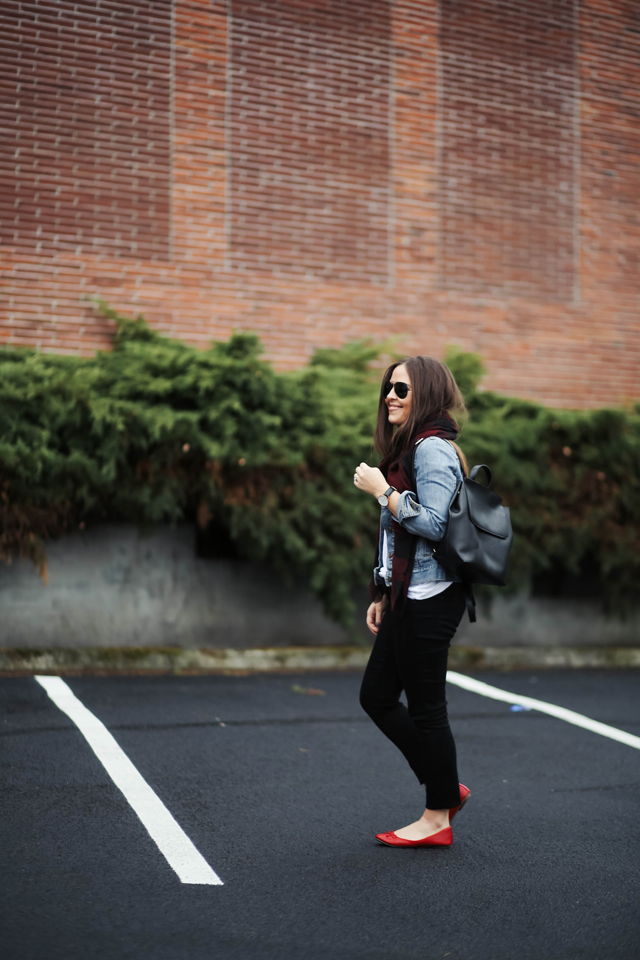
{"points": [[171, 839], [578, 719]]}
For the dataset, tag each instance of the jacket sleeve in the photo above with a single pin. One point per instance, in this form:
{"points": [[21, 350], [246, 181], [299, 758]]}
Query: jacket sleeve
{"points": [[437, 477]]}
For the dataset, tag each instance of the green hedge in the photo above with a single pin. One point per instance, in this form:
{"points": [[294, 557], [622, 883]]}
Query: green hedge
{"points": [[155, 431]]}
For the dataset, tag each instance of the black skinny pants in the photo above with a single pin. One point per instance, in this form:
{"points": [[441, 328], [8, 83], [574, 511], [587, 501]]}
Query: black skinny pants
{"points": [[410, 653]]}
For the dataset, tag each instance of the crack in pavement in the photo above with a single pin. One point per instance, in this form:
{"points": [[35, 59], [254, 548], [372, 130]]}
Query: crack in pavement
{"points": [[265, 722], [604, 786]]}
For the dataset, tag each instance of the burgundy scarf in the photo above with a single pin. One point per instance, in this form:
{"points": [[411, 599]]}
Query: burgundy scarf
{"points": [[398, 471]]}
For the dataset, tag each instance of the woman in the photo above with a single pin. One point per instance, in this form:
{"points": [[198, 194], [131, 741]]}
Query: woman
{"points": [[417, 605]]}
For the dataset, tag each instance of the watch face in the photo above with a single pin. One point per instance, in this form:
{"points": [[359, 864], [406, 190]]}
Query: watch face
{"points": [[383, 500]]}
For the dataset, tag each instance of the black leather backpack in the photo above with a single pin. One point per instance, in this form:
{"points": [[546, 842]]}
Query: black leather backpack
{"points": [[477, 541]]}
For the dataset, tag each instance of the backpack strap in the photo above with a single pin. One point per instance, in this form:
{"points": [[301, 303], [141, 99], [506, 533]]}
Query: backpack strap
{"points": [[469, 598], [413, 462], [413, 467], [470, 601]]}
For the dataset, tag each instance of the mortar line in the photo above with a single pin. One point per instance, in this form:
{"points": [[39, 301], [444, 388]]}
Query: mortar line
{"points": [[228, 91], [577, 155]]}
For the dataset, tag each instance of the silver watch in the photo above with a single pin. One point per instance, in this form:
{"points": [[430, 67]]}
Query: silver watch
{"points": [[383, 499]]}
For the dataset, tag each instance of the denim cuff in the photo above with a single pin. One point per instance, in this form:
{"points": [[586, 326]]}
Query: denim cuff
{"points": [[408, 506]]}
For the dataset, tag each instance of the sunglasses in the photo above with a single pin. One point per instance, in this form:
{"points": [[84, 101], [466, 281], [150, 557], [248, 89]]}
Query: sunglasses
{"points": [[401, 389]]}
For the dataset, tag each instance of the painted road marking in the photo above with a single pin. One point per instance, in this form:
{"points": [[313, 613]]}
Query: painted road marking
{"points": [[171, 839], [578, 719]]}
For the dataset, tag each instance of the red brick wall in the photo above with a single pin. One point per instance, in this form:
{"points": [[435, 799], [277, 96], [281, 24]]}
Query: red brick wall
{"points": [[466, 173], [86, 157], [508, 157], [308, 138]]}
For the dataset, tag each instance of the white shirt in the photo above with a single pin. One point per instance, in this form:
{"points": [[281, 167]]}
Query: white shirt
{"points": [[421, 591]]}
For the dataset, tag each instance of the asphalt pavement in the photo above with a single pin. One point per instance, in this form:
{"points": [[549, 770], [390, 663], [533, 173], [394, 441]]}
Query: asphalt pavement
{"points": [[282, 791]]}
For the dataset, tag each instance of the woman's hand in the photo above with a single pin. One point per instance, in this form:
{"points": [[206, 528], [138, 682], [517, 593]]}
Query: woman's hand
{"points": [[374, 615], [370, 479]]}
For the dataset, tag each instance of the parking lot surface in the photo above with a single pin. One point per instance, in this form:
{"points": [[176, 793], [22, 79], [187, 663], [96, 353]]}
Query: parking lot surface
{"points": [[282, 789]]}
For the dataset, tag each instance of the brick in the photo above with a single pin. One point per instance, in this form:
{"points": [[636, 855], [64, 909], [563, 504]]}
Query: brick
{"points": [[460, 172]]}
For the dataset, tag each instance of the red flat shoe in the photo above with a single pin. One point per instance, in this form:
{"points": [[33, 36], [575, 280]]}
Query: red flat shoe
{"points": [[465, 793], [443, 838]]}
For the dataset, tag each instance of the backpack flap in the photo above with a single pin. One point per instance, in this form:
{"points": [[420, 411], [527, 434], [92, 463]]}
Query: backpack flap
{"points": [[478, 538], [477, 541], [486, 511]]}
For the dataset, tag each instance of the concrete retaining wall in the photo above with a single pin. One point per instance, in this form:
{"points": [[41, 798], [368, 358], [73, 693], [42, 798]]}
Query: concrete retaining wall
{"points": [[110, 586]]}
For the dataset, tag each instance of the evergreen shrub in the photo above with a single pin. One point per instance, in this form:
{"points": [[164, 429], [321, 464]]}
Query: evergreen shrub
{"points": [[155, 431]]}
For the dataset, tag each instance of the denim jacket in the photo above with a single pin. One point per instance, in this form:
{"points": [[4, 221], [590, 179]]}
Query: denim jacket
{"points": [[438, 473]]}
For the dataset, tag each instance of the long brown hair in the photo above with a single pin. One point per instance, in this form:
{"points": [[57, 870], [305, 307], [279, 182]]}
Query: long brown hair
{"points": [[434, 391]]}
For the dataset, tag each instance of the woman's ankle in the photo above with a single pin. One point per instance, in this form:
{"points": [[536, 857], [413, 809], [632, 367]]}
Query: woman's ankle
{"points": [[436, 818]]}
